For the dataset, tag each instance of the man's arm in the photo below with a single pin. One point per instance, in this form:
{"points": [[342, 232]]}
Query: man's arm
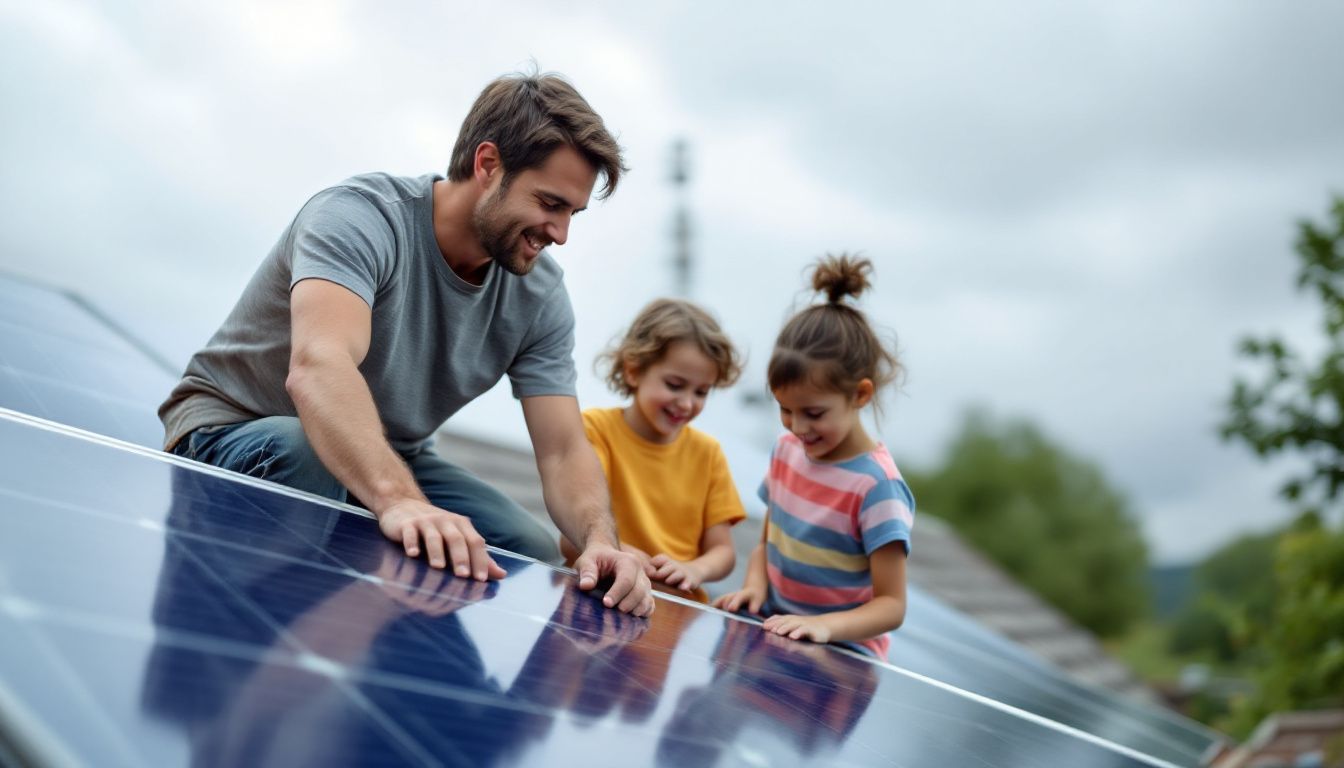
{"points": [[575, 492], [330, 331]]}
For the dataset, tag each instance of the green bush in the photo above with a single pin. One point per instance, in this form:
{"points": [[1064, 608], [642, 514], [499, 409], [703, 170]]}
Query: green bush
{"points": [[1303, 643], [1048, 517]]}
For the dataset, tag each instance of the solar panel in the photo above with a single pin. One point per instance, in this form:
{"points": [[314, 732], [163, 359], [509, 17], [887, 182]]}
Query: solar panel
{"points": [[155, 612], [62, 361], [943, 644], [137, 593]]}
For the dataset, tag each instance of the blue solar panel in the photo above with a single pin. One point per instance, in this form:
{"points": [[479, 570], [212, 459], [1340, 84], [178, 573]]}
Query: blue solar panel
{"points": [[61, 361], [153, 612], [206, 582], [945, 645]]}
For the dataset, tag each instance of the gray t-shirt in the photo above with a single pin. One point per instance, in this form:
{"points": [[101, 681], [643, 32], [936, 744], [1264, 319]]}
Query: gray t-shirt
{"points": [[437, 341]]}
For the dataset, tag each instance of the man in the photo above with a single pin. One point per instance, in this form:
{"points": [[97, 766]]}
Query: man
{"points": [[388, 304]]}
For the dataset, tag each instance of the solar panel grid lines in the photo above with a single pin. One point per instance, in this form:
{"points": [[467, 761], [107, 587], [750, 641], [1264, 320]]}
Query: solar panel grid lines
{"points": [[30, 304], [1046, 689], [27, 393], [25, 738], [209, 617], [99, 369], [590, 674], [1046, 722], [62, 360], [49, 425], [156, 719], [988, 659], [1028, 689], [77, 704]]}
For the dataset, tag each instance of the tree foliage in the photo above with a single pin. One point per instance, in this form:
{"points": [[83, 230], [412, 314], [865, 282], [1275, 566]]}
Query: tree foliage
{"points": [[1301, 647], [1049, 518], [1297, 406], [1296, 636], [1233, 593]]}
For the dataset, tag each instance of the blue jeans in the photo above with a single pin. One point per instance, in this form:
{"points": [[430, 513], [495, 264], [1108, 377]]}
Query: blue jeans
{"points": [[275, 448]]}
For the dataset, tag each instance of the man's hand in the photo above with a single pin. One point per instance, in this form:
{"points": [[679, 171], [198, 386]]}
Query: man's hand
{"points": [[749, 596], [629, 591], [641, 556], [674, 573], [410, 522], [812, 628]]}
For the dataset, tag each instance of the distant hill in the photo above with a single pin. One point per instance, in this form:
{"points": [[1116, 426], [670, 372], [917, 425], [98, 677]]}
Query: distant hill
{"points": [[1172, 587]]}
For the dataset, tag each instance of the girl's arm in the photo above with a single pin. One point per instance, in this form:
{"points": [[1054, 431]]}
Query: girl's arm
{"points": [[716, 560], [885, 612]]}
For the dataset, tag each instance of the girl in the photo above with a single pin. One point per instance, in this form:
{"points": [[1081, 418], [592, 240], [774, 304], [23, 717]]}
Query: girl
{"points": [[831, 563], [671, 493]]}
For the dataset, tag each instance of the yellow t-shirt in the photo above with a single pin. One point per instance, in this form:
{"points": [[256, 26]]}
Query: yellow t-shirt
{"points": [[664, 497]]}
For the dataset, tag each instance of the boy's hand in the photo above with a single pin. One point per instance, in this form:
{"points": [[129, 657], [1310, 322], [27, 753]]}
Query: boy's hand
{"points": [[799, 627], [675, 574], [750, 597]]}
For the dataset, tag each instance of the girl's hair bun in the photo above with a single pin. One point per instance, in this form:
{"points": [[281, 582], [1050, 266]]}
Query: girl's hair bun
{"points": [[841, 276]]}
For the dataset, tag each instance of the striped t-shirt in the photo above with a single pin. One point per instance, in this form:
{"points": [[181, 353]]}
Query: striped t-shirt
{"points": [[824, 522]]}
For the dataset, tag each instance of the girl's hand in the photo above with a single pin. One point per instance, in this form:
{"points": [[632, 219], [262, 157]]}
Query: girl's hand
{"points": [[799, 627], [749, 596], [674, 573]]}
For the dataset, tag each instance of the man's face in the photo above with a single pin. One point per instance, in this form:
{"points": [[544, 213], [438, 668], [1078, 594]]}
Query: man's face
{"points": [[515, 223]]}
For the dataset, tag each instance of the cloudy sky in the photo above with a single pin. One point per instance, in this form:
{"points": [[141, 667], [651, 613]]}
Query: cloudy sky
{"points": [[1075, 209]]}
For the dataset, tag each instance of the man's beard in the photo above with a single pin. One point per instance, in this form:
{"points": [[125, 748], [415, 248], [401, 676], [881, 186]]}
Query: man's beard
{"points": [[500, 237]]}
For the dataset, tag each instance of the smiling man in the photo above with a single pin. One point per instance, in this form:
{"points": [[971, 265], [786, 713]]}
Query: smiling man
{"points": [[387, 305]]}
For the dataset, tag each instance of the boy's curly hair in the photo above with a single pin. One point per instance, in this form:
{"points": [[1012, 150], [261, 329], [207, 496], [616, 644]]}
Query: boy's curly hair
{"points": [[656, 328]]}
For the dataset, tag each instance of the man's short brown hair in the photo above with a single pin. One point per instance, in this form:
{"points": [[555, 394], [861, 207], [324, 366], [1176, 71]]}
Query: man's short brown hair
{"points": [[529, 116]]}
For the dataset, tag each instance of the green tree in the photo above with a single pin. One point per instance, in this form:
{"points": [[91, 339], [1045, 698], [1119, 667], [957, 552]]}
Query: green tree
{"points": [[1233, 594], [1048, 517], [1302, 646], [1297, 407]]}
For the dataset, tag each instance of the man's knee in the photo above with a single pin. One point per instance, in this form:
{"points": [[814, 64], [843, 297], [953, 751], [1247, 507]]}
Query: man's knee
{"points": [[274, 448], [505, 524], [288, 458], [498, 518]]}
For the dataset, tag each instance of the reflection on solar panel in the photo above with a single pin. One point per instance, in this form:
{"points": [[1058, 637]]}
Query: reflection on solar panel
{"points": [[156, 612], [60, 361], [159, 614], [947, 646]]}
